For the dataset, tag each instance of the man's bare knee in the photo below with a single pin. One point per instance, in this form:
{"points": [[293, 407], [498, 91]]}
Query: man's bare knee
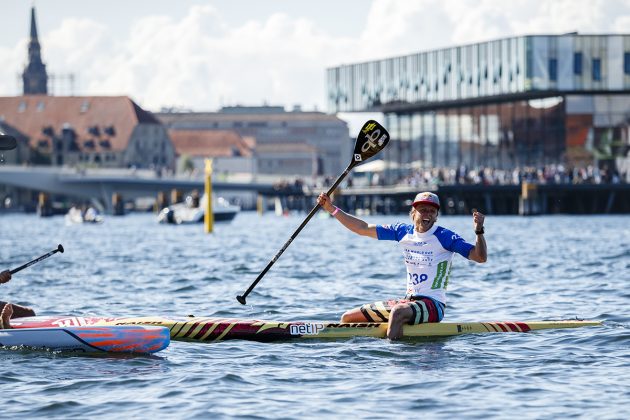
{"points": [[400, 313]]}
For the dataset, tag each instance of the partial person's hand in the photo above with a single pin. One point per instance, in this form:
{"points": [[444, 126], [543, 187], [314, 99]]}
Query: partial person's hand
{"points": [[5, 316], [478, 219], [5, 276], [324, 201]]}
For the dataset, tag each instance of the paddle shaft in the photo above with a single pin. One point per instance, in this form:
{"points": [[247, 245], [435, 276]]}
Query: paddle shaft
{"points": [[334, 186], [43, 257]]}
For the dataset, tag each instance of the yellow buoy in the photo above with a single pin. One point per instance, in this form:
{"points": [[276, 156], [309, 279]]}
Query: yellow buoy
{"points": [[209, 216]]}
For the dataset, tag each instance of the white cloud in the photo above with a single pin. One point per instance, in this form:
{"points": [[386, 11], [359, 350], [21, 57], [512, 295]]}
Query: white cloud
{"points": [[10, 73], [199, 61]]}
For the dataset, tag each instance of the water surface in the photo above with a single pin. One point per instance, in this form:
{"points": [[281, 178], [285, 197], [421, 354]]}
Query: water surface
{"points": [[550, 267]]}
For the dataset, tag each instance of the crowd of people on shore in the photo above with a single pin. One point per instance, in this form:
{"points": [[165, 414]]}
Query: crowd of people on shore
{"points": [[548, 174], [431, 177]]}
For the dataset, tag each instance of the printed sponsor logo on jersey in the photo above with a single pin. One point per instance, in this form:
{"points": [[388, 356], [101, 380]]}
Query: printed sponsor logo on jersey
{"points": [[413, 251], [412, 259], [440, 275], [305, 329], [419, 263]]}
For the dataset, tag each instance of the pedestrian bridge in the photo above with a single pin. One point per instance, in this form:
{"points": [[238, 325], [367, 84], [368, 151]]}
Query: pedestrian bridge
{"points": [[101, 184]]}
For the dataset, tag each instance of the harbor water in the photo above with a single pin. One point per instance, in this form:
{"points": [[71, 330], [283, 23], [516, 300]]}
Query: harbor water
{"points": [[539, 268]]}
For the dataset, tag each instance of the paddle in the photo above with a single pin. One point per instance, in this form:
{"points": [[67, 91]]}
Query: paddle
{"points": [[7, 142], [43, 257], [371, 139]]}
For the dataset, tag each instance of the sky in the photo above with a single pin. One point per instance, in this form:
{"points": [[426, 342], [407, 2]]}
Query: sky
{"points": [[202, 55]]}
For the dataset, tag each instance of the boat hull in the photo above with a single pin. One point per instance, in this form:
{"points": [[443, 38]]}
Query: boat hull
{"points": [[95, 338], [218, 329]]}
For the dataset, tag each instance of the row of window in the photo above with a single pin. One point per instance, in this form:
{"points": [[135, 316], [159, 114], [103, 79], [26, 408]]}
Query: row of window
{"points": [[596, 66], [499, 135], [41, 106]]}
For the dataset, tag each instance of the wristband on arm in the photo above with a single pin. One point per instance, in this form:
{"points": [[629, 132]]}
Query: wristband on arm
{"points": [[335, 212]]}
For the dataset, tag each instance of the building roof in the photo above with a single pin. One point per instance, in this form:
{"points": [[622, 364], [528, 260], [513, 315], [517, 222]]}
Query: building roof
{"points": [[210, 143], [101, 123]]}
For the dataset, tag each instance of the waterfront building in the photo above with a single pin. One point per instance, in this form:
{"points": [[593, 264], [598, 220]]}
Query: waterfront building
{"points": [[293, 143], [230, 153], [522, 101], [91, 131]]}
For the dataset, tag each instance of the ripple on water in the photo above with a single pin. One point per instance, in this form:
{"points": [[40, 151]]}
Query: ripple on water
{"points": [[119, 270]]}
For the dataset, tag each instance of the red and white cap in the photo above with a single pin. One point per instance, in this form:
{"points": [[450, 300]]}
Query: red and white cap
{"points": [[427, 198]]}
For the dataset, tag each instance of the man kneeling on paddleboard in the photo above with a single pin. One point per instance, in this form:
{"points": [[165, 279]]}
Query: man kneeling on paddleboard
{"points": [[8, 310], [427, 249]]}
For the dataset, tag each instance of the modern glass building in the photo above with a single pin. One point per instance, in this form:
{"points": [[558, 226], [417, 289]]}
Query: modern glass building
{"points": [[523, 101]]}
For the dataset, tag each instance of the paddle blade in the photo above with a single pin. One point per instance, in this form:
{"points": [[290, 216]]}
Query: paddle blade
{"points": [[371, 139], [7, 142]]}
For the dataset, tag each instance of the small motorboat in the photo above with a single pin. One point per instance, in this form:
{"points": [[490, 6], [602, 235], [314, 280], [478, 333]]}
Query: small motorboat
{"points": [[193, 211], [77, 215]]}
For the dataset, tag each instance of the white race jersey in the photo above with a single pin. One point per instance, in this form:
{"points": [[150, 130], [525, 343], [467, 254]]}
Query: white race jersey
{"points": [[427, 256]]}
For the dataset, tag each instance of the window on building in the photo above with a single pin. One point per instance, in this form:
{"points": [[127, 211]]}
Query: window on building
{"points": [[577, 63], [626, 63], [553, 69], [597, 69]]}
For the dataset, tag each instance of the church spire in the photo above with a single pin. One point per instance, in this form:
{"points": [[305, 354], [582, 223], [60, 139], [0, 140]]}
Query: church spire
{"points": [[33, 24], [34, 77]]}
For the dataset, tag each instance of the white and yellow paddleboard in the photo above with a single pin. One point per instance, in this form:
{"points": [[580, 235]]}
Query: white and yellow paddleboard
{"points": [[217, 329]]}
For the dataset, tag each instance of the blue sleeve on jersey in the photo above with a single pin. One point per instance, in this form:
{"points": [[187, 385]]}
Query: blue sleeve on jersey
{"points": [[453, 242], [392, 232]]}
